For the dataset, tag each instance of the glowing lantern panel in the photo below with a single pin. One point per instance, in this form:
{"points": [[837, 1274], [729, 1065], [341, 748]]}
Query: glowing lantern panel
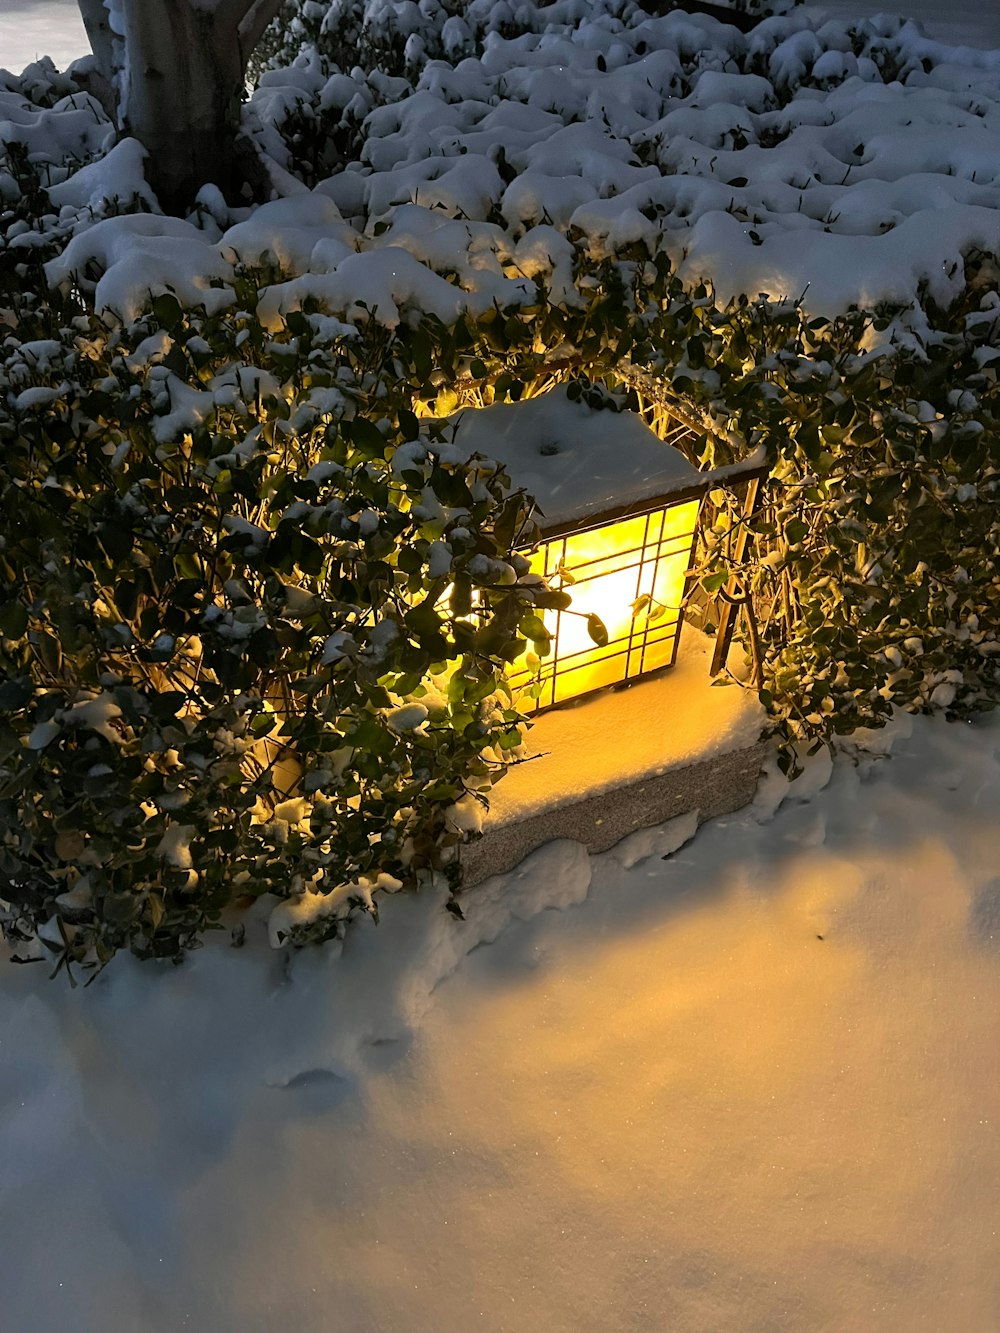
{"points": [[629, 574], [617, 508]]}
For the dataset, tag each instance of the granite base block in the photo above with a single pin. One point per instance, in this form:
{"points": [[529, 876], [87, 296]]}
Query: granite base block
{"points": [[715, 786]]}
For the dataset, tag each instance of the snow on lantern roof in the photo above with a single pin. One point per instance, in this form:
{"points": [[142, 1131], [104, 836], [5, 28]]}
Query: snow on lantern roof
{"points": [[578, 462]]}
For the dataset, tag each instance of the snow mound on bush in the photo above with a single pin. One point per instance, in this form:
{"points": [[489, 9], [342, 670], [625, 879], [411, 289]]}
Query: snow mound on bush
{"points": [[852, 162]]}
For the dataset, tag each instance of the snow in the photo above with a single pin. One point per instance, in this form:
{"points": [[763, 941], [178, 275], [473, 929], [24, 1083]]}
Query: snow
{"points": [[754, 1085], [466, 815], [381, 284], [175, 846], [38, 396], [95, 713], [667, 722], [854, 191], [970, 23], [307, 907], [569, 456], [660, 841], [778, 162], [144, 256], [408, 717], [286, 233], [117, 175]]}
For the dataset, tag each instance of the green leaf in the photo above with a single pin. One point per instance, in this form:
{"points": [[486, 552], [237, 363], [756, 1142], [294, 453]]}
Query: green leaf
{"points": [[48, 650], [263, 648], [713, 582], [309, 557], [298, 324], [117, 541], [461, 595], [511, 649], [554, 600], [119, 908], [533, 627], [491, 637], [13, 620], [167, 311], [154, 902], [409, 560], [796, 531], [168, 704], [696, 352], [14, 694], [365, 436], [597, 630], [149, 622], [126, 595]]}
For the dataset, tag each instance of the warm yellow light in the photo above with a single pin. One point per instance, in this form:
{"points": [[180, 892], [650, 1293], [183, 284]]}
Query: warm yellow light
{"points": [[630, 574]]}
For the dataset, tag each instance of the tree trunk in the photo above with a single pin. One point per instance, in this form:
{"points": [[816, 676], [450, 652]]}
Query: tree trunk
{"points": [[172, 73], [108, 55], [95, 20], [180, 91]]}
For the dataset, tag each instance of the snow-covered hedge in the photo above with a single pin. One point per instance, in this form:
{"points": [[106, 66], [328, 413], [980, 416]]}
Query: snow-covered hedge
{"points": [[400, 36], [874, 565], [253, 631], [226, 667]]}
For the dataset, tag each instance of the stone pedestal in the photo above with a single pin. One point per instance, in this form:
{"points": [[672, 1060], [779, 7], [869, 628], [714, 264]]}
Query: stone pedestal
{"points": [[624, 760]]}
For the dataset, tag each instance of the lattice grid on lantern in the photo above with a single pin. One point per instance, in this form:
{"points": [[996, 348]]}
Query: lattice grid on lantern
{"points": [[630, 574], [618, 511]]}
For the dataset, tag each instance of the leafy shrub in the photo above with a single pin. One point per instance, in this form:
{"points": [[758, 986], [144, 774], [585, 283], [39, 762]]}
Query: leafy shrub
{"points": [[233, 588], [397, 36], [258, 656], [873, 564], [228, 668]]}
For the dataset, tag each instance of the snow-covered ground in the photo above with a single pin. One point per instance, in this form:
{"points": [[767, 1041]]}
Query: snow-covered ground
{"points": [[755, 1086]]}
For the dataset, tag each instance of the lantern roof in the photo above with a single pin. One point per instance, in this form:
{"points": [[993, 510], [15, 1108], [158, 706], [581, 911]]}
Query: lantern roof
{"points": [[578, 462]]}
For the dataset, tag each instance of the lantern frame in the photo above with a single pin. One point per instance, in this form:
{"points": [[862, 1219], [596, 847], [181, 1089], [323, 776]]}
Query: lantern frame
{"points": [[656, 558], [660, 560]]}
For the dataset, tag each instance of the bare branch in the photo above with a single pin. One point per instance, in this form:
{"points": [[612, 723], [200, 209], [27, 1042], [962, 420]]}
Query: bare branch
{"points": [[251, 28], [240, 20]]}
